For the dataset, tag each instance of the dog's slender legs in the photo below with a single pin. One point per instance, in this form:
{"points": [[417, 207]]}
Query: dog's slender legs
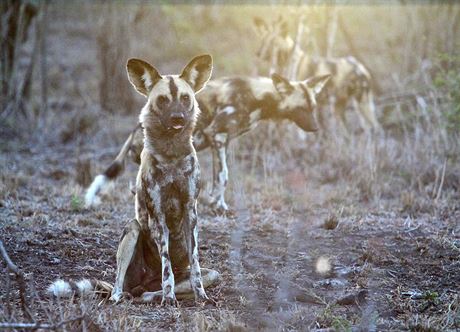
{"points": [[339, 108], [160, 234], [215, 171], [169, 297], [367, 109], [220, 145], [358, 107], [125, 254], [195, 272], [183, 288]]}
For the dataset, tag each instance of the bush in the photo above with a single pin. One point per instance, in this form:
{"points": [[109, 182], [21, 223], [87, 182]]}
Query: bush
{"points": [[447, 79]]}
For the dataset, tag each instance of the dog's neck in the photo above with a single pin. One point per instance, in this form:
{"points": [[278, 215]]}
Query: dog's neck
{"points": [[270, 107], [168, 147], [266, 101]]}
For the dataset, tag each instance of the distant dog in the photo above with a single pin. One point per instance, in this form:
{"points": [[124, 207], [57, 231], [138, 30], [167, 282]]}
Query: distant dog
{"points": [[231, 107], [350, 81]]}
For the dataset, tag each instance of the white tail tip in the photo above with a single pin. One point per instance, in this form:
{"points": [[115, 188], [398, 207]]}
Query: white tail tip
{"points": [[91, 198], [60, 288]]}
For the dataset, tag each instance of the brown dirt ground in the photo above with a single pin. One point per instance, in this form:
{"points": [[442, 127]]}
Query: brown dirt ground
{"points": [[281, 268]]}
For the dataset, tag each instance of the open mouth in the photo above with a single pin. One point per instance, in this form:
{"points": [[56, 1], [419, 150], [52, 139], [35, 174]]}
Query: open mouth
{"points": [[176, 128]]}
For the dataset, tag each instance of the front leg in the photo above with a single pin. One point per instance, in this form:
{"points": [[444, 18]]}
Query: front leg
{"points": [[183, 288], [220, 181], [167, 275], [160, 234], [195, 271]]}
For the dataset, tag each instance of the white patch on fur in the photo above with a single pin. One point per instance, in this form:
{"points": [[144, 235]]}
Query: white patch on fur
{"points": [[144, 114], [312, 94], [60, 288], [254, 117], [193, 76], [147, 80], [223, 175], [84, 286], [228, 110], [195, 273], [295, 99], [195, 236], [195, 173], [91, 198], [166, 263]]}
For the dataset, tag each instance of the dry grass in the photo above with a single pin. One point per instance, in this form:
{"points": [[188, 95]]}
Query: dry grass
{"points": [[383, 205]]}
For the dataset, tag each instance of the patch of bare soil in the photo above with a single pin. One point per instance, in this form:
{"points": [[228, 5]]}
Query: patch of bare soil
{"points": [[281, 270]]}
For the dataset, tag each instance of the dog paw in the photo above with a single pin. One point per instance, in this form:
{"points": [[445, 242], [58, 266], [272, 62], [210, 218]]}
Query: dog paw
{"points": [[117, 297], [169, 301], [204, 300], [224, 211]]}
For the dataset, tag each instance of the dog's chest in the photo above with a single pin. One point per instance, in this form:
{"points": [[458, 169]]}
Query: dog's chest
{"points": [[167, 176], [175, 184]]}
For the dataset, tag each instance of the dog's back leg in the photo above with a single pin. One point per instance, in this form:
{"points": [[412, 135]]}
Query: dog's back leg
{"points": [[220, 145], [125, 254], [367, 109]]}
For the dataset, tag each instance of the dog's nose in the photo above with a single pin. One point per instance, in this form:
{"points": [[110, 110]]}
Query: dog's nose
{"points": [[177, 117], [177, 120]]}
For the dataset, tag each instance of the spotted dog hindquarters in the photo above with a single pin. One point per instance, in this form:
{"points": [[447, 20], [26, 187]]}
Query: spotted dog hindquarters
{"points": [[160, 246], [233, 106]]}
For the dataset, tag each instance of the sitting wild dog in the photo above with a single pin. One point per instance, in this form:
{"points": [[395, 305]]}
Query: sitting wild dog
{"points": [[350, 81], [231, 107], [160, 246]]}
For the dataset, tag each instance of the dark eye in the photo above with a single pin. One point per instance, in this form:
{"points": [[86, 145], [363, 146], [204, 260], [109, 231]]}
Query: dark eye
{"points": [[185, 99], [162, 100]]}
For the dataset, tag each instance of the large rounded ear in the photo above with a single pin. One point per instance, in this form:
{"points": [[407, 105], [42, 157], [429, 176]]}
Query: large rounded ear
{"points": [[281, 84], [317, 83], [260, 26], [198, 72], [142, 75]]}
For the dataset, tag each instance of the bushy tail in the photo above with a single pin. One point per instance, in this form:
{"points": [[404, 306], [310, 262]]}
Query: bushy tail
{"points": [[114, 170], [62, 288]]}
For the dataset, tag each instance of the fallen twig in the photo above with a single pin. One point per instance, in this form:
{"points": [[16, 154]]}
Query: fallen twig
{"points": [[34, 326], [438, 196], [20, 280]]}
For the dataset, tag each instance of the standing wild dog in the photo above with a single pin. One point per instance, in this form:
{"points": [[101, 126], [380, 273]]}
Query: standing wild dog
{"points": [[231, 107], [350, 81]]}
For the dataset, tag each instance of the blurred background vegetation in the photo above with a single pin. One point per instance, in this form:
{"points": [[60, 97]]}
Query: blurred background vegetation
{"points": [[63, 80], [405, 46]]}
